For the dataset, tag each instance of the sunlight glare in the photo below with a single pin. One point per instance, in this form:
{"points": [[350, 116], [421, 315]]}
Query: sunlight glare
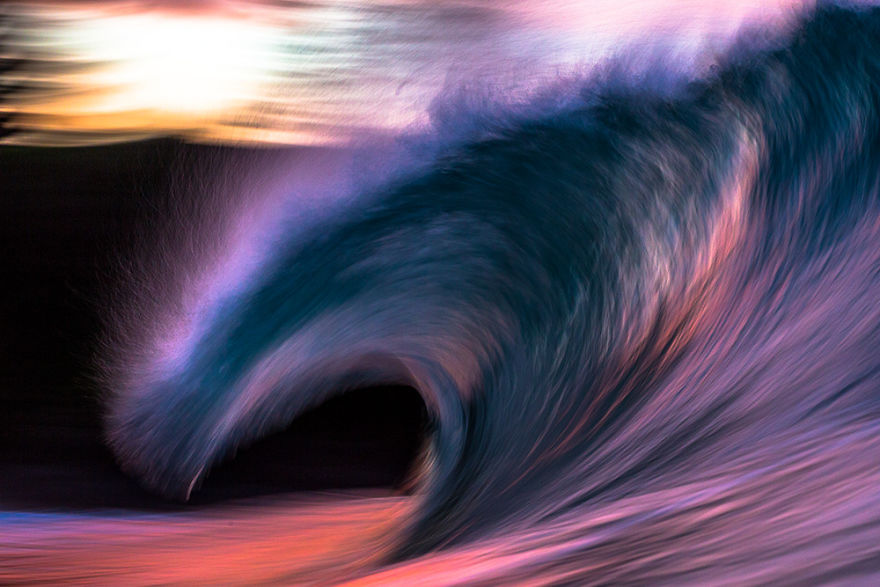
{"points": [[176, 64]]}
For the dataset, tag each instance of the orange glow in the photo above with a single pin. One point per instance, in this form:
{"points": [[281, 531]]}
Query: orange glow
{"points": [[311, 540], [316, 73]]}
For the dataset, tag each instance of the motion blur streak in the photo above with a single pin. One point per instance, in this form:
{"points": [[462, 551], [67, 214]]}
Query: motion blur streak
{"points": [[644, 320], [291, 542], [322, 72]]}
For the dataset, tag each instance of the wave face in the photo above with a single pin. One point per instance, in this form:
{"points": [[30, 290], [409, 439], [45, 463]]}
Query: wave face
{"points": [[645, 327]]}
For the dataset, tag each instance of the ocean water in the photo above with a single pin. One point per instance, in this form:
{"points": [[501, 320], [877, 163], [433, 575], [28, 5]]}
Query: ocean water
{"points": [[644, 321]]}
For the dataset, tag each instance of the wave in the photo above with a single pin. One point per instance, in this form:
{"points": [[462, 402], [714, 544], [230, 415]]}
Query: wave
{"points": [[645, 327]]}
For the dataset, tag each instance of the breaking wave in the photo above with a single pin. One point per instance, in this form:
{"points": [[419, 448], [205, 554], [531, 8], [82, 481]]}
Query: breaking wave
{"points": [[645, 326]]}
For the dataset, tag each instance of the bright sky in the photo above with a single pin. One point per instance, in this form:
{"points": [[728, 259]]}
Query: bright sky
{"points": [[307, 73], [180, 65]]}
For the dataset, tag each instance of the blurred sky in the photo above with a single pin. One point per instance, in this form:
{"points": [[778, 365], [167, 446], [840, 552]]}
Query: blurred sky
{"points": [[314, 71]]}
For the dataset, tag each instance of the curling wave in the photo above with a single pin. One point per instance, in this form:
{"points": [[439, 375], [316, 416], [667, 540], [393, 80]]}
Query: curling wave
{"points": [[645, 327]]}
